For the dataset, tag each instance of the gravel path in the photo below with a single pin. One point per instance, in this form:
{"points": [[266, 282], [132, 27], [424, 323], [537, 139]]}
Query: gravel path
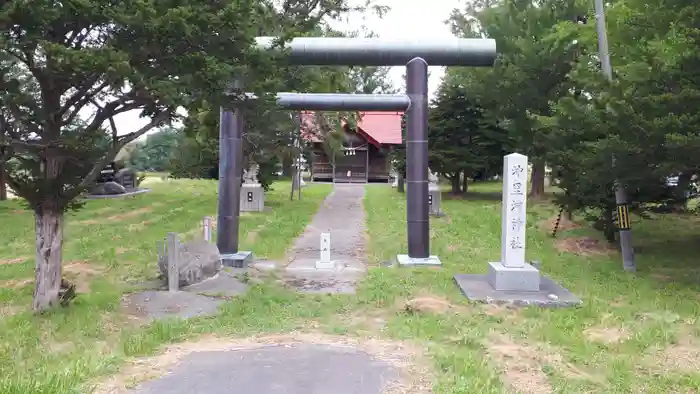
{"points": [[343, 216]]}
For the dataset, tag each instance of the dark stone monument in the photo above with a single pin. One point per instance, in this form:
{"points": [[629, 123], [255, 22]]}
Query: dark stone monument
{"points": [[197, 260], [127, 178], [107, 174], [113, 183], [108, 188]]}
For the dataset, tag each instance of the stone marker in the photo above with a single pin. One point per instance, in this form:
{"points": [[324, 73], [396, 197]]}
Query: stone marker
{"points": [[107, 173], [196, 260], [512, 280], [108, 188], [252, 193], [513, 273], [325, 261], [173, 269], [434, 196], [206, 228], [126, 177]]}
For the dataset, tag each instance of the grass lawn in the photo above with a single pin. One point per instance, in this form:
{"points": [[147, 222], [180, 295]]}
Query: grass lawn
{"points": [[111, 245], [635, 333]]}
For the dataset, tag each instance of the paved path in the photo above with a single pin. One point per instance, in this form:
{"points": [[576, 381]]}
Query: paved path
{"points": [[300, 368], [343, 216], [296, 369]]}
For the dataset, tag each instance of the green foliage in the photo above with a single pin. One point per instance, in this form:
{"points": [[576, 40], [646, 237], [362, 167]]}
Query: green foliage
{"points": [[272, 136], [155, 153], [463, 138], [63, 58], [398, 153], [61, 61], [549, 92]]}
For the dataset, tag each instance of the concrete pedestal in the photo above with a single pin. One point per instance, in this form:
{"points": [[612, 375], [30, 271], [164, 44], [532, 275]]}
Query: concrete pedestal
{"points": [[252, 198], [325, 265], [502, 278], [405, 260], [550, 294], [237, 260]]}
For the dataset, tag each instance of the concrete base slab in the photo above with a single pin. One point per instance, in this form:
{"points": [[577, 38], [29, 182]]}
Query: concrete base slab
{"points": [[325, 265], [129, 193], [525, 278], [154, 304], [307, 264], [405, 260], [223, 284], [237, 260], [290, 369], [550, 294], [264, 265], [332, 281]]}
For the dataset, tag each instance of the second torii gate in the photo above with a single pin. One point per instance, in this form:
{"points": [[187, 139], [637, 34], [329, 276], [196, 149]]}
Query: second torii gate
{"points": [[341, 51]]}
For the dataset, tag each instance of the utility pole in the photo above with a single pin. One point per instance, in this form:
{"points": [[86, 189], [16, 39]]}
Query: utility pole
{"points": [[623, 215]]}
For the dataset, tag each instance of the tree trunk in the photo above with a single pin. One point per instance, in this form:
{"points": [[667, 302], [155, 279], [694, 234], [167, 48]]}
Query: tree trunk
{"points": [[609, 222], [465, 182], [537, 180], [3, 185], [295, 183], [49, 248], [287, 166], [400, 185], [454, 182]]}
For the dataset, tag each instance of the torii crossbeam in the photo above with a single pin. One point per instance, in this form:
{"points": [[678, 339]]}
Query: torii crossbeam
{"points": [[324, 51]]}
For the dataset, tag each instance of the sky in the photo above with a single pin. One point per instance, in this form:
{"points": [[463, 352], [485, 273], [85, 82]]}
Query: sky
{"points": [[414, 19]]}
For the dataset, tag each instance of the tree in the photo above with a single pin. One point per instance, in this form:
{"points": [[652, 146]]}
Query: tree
{"points": [[398, 158], [548, 90], [371, 80], [646, 117], [534, 40], [75, 56], [271, 133], [464, 141], [155, 153]]}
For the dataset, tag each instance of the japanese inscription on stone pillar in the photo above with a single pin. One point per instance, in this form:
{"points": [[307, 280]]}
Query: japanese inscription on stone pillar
{"points": [[325, 247], [514, 210]]}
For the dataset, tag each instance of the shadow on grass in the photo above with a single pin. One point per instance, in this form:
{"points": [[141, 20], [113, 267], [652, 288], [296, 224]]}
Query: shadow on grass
{"points": [[671, 260]]}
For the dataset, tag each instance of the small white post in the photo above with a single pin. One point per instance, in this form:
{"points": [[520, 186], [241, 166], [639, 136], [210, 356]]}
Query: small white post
{"points": [[514, 210], [206, 228], [173, 268], [325, 261]]}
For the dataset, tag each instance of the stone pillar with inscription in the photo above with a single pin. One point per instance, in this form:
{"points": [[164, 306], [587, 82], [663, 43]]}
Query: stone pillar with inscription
{"points": [[512, 272], [252, 193]]}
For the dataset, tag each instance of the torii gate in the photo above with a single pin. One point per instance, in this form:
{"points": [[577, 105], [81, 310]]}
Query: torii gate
{"points": [[341, 51]]}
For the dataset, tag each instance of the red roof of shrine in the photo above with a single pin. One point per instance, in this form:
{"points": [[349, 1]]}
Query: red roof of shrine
{"points": [[378, 128]]}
